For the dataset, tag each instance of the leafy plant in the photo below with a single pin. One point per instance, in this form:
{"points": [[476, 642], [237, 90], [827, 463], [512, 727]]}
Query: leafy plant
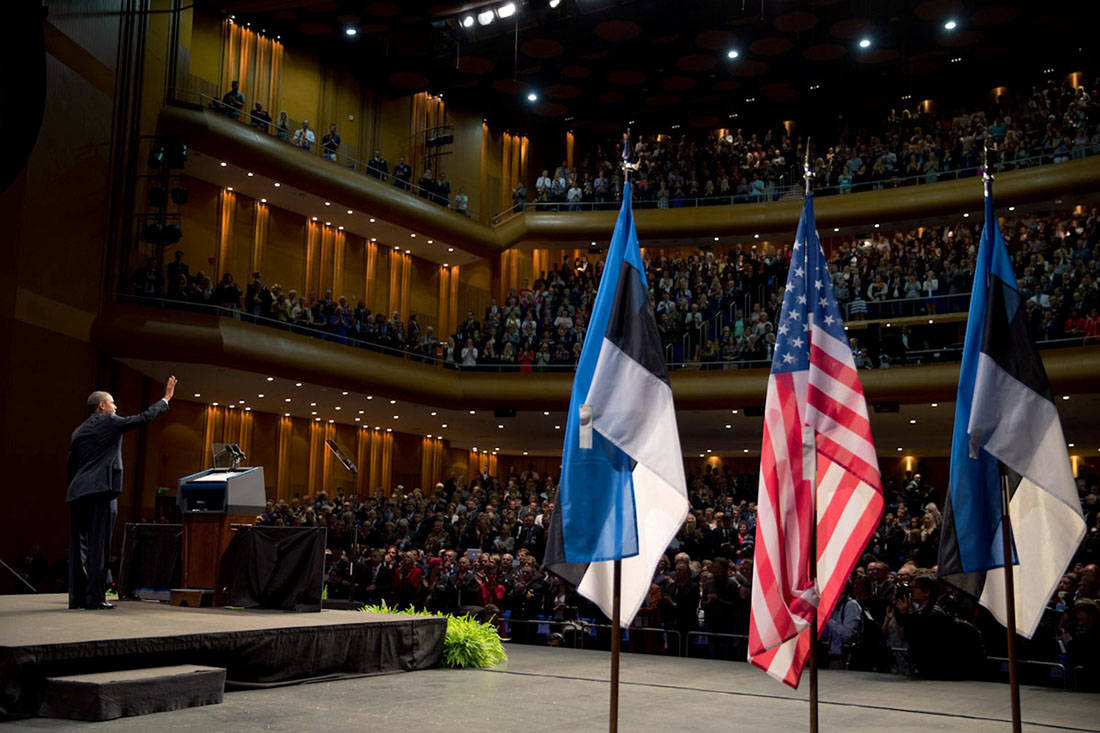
{"points": [[468, 643]]}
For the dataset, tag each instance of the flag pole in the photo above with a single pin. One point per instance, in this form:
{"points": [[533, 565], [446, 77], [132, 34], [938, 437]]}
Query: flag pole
{"points": [[1010, 607], [808, 442], [617, 583], [1006, 534]]}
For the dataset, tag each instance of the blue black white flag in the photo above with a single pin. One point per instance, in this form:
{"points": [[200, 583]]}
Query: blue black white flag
{"points": [[622, 494], [1005, 417]]}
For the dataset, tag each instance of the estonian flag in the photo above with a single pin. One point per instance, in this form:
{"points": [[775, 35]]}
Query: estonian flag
{"points": [[622, 493], [1005, 416]]}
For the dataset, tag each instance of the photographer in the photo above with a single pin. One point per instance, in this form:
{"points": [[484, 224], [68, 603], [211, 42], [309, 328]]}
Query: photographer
{"points": [[940, 646]]}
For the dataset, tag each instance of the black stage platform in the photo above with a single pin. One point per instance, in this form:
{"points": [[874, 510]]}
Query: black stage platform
{"points": [[40, 637]]}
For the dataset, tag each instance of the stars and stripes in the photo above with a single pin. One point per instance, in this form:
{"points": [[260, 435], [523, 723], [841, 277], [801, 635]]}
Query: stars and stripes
{"points": [[816, 434]]}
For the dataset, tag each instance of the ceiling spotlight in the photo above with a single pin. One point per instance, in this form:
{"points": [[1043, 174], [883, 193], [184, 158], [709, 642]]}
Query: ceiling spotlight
{"points": [[263, 201], [271, 379], [728, 427], [223, 164], [297, 384], [950, 25], [467, 21], [1072, 445], [372, 220], [506, 11], [865, 43], [553, 4], [277, 184], [450, 249], [349, 31], [532, 97], [935, 404], [260, 395], [434, 414], [732, 54], [485, 17], [249, 174], [328, 203], [350, 211]]}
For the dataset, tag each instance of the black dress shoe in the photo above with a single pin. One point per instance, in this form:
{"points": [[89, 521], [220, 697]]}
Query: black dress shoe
{"points": [[102, 605]]}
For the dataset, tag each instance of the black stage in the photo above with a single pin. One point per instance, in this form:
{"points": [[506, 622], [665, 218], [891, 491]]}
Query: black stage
{"points": [[40, 637]]}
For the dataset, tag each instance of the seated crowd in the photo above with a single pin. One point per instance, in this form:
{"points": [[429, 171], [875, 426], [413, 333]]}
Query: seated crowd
{"points": [[716, 306], [479, 546], [436, 189], [1052, 124]]}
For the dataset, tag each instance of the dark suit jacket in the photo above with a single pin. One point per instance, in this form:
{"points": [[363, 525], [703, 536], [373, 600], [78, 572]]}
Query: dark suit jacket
{"points": [[95, 451]]}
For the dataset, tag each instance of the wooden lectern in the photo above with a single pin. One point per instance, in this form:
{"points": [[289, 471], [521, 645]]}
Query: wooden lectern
{"points": [[213, 504]]}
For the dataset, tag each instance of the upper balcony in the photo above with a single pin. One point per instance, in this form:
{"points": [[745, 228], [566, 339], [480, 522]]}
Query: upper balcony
{"points": [[246, 148]]}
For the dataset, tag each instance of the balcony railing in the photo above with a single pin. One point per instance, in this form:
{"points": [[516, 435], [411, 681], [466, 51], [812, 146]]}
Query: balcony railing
{"points": [[678, 355], [794, 189], [344, 155]]}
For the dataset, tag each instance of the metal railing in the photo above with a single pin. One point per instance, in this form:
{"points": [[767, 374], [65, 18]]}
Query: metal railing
{"points": [[613, 200], [287, 129], [435, 353]]}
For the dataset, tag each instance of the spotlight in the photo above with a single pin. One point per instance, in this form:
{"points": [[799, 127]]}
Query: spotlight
{"points": [[532, 97], [156, 157], [467, 21], [179, 195], [865, 43], [950, 25], [553, 4], [153, 233], [485, 17], [506, 11], [177, 156], [350, 31], [172, 234], [732, 54]]}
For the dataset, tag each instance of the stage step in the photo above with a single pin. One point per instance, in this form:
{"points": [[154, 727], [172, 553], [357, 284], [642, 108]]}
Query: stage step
{"points": [[110, 695]]}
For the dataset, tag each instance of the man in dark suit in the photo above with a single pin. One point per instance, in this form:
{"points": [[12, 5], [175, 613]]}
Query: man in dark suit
{"points": [[95, 481], [530, 536]]}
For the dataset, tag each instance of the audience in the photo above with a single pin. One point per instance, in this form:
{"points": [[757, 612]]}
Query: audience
{"points": [[468, 546], [1051, 124]]}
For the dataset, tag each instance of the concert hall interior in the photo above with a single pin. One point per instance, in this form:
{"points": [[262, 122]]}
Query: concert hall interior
{"points": [[383, 224]]}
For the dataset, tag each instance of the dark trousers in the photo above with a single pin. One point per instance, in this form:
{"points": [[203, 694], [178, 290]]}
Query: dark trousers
{"points": [[91, 522]]}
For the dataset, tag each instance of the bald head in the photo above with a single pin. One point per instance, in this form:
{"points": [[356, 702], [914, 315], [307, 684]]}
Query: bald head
{"points": [[101, 401]]}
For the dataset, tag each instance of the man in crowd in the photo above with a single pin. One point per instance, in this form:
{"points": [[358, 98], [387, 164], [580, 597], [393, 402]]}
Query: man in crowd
{"points": [[260, 118], [304, 137], [377, 167], [330, 143], [233, 100], [402, 173]]}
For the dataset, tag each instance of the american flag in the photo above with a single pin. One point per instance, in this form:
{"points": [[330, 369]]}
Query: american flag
{"points": [[813, 390]]}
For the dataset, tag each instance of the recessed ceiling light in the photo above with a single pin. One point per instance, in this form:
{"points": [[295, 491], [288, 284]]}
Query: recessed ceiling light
{"points": [[215, 404], [277, 184], [223, 164], [372, 220], [935, 404], [431, 241], [732, 54], [912, 422], [287, 400], [450, 249], [263, 201], [746, 450], [950, 25], [198, 395], [297, 384], [734, 411], [500, 426], [350, 211], [389, 430], [472, 412], [396, 417], [240, 402], [557, 427], [358, 419], [1065, 397], [443, 425], [525, 452], [260, 395], [337, 407], [865, 43], [900, 450], [313, 412], [728, 427], [532, 97], [312, 404], [228, 188], [836, 229], [393, 402], [370, 397], [1071, 445], [248, 409], [360, 412], [249, 174], [286, 414]]}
